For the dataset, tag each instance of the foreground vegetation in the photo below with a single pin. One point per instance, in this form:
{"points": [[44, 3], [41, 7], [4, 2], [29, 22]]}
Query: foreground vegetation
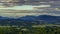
{"points": [[33, 30]]}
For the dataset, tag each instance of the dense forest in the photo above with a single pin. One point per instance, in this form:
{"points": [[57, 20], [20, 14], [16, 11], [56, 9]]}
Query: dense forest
{"points": [[36, 30]]}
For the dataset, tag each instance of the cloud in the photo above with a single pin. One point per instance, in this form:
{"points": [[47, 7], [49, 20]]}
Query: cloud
{"points": [[24, 14], [43, 6]]}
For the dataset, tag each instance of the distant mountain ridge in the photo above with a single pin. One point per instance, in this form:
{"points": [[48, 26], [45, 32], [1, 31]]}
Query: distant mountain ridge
{"points": [[40, 17], [28, 17], [30, 20]]}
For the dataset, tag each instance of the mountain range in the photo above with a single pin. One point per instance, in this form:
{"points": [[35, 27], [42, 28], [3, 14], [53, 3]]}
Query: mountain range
{"points": [[30, 20]]}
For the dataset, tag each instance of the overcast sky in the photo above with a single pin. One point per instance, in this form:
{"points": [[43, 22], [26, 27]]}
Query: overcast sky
{"points": [[29, 7]]}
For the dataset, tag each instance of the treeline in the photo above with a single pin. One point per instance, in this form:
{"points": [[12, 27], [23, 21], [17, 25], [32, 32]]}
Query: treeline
{"points": [[36, 30], [47, 30]]}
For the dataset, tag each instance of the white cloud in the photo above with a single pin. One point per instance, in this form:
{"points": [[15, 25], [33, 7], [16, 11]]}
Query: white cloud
{"points": [[24, 14]]}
